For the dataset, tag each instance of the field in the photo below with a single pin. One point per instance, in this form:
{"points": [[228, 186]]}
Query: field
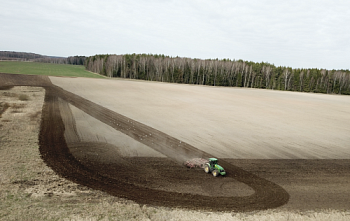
{"points": [[113, 149], [35, 68]]}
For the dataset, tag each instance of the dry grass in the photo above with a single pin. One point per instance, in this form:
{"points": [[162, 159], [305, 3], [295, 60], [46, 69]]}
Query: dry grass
{"points": [[23, 97], [32, 191], [9, 94], [17, 108], [3, 107]]}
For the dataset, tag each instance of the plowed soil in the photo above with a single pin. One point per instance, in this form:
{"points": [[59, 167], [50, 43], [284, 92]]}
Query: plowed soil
{"points": [[164, 181]]}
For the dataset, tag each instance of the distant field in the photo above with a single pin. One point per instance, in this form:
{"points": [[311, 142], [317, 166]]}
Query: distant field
{"points": [[35, 68]]}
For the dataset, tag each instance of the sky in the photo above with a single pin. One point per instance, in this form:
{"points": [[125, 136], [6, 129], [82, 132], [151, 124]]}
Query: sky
{"points": [[298, 34]]}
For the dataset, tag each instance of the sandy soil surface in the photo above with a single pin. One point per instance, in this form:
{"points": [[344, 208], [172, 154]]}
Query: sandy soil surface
{"points": [[152, 173], [88, 129], [230, 122]]}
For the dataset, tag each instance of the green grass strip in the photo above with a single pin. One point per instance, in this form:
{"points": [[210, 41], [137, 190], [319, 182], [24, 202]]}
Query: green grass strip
{"points": [[35, 68]]}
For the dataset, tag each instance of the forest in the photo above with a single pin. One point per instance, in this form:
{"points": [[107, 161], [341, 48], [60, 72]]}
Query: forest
{"points": [[215, 72]]}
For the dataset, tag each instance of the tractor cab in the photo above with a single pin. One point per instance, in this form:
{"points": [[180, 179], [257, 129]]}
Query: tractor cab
{"points": [[213, 162]]}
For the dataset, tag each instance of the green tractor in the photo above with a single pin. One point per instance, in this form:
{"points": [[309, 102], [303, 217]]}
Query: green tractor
{"points": [[214, 168]]}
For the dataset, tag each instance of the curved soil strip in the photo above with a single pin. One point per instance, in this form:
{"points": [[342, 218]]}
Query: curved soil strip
{"points": [[56, 154], [10, 80]]}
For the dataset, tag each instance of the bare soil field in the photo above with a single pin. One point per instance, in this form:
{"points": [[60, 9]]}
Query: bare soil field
{"points": [[229, 122], [120, 157]]}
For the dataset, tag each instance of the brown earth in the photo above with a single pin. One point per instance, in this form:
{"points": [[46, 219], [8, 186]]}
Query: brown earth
{"points": [[156, 181], [123, 179], [312, 184]]}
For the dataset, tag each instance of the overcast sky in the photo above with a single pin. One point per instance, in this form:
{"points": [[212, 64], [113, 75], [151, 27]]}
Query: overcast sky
{"points": [[298, 34]]}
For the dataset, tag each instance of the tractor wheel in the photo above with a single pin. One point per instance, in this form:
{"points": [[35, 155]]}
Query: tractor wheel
{"points": [[215, 173], [206, 169]]}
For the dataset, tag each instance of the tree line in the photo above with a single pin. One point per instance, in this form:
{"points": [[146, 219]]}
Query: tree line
{"points": [[24, 56], [20, 56], [215, 72], [74, 60]]}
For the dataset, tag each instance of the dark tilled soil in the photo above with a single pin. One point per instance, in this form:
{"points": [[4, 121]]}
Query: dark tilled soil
{"points": [[156, 181], [9, 80], [155, 173], [311, 184]]}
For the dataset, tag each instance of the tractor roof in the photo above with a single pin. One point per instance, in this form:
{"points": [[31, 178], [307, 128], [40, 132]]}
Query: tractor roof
{"points": [[213, 159]]}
